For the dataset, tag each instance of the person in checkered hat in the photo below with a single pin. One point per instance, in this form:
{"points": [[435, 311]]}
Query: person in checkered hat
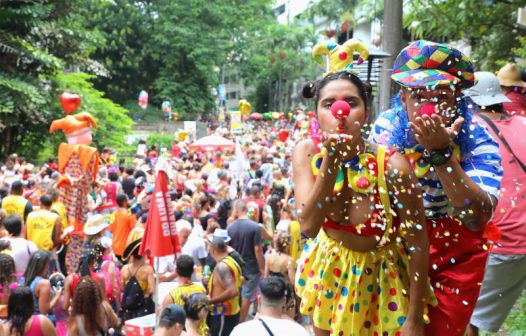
{"points": [[459, 168]]}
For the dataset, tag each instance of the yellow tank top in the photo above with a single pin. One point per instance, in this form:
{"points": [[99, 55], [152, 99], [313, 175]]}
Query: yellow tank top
{"points": [[177, 293], [40, 226], [296, 245], [14, 204], [230, 307], [60, 209]]}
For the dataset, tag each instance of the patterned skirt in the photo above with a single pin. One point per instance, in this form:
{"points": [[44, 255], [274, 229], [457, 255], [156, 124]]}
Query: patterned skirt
{"points": [[354, 293]]}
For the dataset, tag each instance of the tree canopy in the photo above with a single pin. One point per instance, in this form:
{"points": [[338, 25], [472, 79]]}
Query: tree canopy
{"points": [[489, 26], [44, 46], [108, 51]]}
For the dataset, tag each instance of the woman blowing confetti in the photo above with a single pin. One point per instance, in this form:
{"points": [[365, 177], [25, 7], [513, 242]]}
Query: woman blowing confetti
{"points": [[365, 272]]}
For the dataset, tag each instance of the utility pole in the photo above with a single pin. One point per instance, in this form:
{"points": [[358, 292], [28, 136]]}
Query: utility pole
{"points": [[392, 44]]}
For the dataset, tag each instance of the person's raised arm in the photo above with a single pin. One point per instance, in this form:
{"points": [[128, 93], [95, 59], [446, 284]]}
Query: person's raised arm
{"points": [[67, 293], [311, 193], [403, 184], [474, 205], [45, 303]]}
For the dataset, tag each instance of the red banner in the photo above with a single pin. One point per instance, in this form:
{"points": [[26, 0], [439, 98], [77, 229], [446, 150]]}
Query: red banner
{"points": [[160, 235]]}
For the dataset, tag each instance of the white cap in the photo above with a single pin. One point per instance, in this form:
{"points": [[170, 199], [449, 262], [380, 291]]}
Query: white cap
{"points": [[486, 91], [105, 242]]}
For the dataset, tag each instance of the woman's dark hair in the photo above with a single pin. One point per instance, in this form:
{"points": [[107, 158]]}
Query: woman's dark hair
{"points": [[7, 269], [223, 212], [121, 199], [194, 304], [113, 176], [211, 200], [87, 260], [275, 204], [278, 189], [86, 302], [20, 308], [202, 202], [38, 263], [312, 89]]}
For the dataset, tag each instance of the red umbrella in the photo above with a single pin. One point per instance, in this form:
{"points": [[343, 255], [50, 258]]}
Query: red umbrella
{"points": [[160, 234], [213, 143], [256, 116]]}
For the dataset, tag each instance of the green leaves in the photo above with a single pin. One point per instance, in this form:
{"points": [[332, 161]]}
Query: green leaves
{"points": [[39, 40], [488, 26]]}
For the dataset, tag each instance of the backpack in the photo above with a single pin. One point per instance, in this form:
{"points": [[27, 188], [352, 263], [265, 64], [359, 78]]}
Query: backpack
{"points": [[132, 296]]}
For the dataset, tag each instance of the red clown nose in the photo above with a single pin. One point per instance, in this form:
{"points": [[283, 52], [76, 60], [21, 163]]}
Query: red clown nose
{"points": [[340, 109], [428, 109]]}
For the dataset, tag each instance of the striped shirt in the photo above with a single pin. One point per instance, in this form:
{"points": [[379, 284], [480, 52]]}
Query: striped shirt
{"points": [[482, 164]]}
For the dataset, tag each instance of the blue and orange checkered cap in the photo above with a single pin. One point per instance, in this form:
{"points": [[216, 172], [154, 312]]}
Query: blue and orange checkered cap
{"points": [[429, 64]]}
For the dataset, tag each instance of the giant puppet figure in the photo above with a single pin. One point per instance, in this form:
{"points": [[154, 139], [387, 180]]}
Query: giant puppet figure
{"points": [[78, 165]]}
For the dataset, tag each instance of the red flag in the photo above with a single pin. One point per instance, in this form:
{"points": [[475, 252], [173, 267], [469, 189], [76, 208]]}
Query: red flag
{"points": [[160, 235]]}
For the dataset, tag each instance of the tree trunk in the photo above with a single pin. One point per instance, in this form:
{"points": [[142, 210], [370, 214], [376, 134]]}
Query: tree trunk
{"points": [[8, 144], [392, 44]]}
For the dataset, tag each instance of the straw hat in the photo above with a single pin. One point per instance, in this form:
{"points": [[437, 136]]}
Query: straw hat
{"points": [[510, 75], [96, 224]]}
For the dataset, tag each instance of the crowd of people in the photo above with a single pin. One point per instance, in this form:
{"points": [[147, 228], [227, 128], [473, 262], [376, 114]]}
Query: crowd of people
{"points": [[410, 226]]}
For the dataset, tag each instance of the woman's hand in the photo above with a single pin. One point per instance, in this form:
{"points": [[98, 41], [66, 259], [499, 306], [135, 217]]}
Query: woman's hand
{"points": [[338, 146]]}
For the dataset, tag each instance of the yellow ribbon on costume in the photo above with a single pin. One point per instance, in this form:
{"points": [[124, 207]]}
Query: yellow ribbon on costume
{"points": [[340, 56]]}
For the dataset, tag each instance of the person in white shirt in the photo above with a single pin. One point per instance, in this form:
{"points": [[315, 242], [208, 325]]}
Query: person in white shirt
{"points": [[196, 248], [166, 267], [271, 320], [21, 247]]}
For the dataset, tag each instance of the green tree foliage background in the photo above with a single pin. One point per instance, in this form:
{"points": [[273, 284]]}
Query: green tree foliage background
{"points": [[108, 51], [489, 26], [44, 47]]}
